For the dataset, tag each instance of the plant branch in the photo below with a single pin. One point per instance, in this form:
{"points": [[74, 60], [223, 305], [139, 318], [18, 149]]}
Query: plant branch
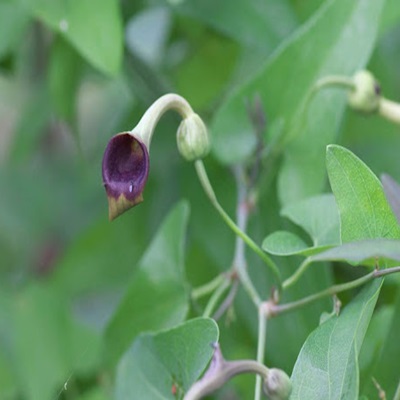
{"points": [[214, 299], [203, 177], [242, 216], [209, 287], [275, 309], [296, 275], [389, 110], [262, 335], [221, 371], [227, 302]]}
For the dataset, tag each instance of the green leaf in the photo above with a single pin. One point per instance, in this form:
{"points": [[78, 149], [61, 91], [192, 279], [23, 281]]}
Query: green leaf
{"points": [[283, 243], [156, 362], [47, 345], [327, 364], [30, 128], [362, 251], [95, 30], [13, 21], [156, 297], [244, 21], [318, 216], [338, 39], [364, 211], [64, 75]]}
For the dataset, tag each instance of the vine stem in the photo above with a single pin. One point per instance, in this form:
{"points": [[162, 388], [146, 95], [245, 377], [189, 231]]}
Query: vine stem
{"points": [[296, 275], [205, 182], [389, 110], [275, 309], [214, 299], [262, 335], [209, 287]]}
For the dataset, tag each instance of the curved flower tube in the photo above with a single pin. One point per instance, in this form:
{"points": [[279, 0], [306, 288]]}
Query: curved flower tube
{"points": [[126, 160]]}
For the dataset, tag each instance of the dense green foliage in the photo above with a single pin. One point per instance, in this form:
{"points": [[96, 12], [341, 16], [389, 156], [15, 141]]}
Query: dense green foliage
{"points": [[93, 310]]}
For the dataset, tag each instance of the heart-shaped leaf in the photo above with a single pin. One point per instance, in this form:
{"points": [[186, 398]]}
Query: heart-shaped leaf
{"points": [[157, 365]]}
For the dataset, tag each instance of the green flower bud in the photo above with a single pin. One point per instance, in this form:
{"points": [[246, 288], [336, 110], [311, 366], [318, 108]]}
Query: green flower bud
{"points": [[277, 385], [366, 95], [192, 138]]}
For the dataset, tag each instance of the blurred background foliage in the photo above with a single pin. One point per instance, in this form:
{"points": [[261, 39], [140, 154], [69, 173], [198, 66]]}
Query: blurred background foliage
{"points": [[72, 74]]}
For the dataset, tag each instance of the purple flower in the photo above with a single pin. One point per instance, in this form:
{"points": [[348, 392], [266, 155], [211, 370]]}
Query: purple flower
{"points": [[125, 169]]}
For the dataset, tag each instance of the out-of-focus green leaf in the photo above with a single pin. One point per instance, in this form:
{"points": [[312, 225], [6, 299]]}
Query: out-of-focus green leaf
{"points": [[337, 40], [318, 216], [48, 346], [390, 15], [157, 362], [305, 9], [13, 21], [156, 298], [95, 30], [392, 193], [64, 74], [8, 381], [147, 33], [31, 126], [201, 81], [252, 23], [327, 366], [364, 211], [362, 251]]}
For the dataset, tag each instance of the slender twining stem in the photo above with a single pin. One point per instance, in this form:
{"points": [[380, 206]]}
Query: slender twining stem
{"points": [[221, 371], [262, 335], [334, 80], [203, 177], [145, 127], [215, 298], [275, 309], [397, 394], [226, 304], [242, 216], [209, 287], [296, 275], [389, 110]]}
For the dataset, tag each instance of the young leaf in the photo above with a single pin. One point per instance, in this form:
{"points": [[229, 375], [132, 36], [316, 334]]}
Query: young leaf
{"points": [[327, 364], [318, 216], [156, 297], [283, 243], [362, 251], [364, 211], [157, 363], [95, 30], [338, 39]]}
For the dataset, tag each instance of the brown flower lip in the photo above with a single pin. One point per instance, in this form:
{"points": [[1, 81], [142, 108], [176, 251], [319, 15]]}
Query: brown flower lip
{"points": [[125, 169]]}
